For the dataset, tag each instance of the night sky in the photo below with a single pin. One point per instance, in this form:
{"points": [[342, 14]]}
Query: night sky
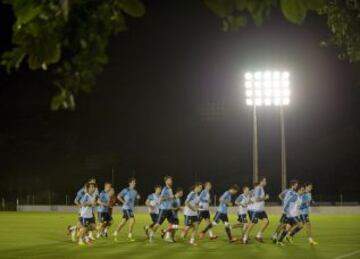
{"points": [[170, 102]]}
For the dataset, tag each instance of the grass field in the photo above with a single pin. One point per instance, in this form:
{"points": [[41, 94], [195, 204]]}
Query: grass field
{"points": [[43, 235]]}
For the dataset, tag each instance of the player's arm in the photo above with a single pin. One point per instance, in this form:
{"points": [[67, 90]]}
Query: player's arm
{"points": [[188, 204], [120, 197], [258, 198], [282, 195]]}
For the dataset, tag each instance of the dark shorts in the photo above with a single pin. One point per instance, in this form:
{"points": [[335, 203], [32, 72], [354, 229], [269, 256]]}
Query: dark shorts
{"points": [[105, 217], [127, 214], [190, 220], [242, 218], [292, 221], [256, 215], [204, 214], [283, 219], [221, 216], [85, 222], [154, 217], [250, 212], [305, 218], [169, 215]]}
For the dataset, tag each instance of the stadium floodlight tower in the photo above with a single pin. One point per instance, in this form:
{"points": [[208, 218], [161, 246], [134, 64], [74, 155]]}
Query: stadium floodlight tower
{"points": [[268, 89]]}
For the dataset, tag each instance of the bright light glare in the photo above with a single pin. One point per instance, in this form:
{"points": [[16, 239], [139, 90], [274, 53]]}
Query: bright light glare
{"points": [[267, 88]]}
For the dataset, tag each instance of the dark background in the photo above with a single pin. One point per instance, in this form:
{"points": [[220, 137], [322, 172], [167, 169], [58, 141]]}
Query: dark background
{"points": [[170, 102]]}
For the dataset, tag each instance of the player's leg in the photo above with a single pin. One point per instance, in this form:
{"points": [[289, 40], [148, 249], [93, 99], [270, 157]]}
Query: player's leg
{"points": [[160, 220], [307, 224], [195, 227], [121, 224], [253, 221], [225, 220], [279, 227], [131, 227], [284, 233], [264, 224], [210, 225]]}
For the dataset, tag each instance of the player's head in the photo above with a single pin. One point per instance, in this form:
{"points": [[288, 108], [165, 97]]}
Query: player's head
{"points": [[157, 189], [92, 180], [207, 186], [246, 190], [262, 181], [179, 192], [90, 188], [308, 187], [300, 189], [168, 181], [197, 187], [132, 182], [234, 189], [111, 192], [107, 186], [294, 184]]}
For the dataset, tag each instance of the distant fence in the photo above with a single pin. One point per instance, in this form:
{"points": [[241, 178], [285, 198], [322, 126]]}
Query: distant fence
{"points": [[350, 209]]}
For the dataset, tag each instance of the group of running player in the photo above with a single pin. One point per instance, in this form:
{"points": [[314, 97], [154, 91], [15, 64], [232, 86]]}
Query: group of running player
{"points": [[165, 204]]}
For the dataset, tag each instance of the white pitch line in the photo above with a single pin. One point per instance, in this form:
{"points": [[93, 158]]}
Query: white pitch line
{"points": [[348, 255]]}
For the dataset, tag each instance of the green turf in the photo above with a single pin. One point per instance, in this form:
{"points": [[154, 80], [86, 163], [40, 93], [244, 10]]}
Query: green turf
{"points": [[42, 235]]}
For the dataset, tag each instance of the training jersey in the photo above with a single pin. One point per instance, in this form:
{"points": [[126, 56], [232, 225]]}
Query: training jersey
{"points": [[86, 211], [129, 195], [167, 198], [82, 192], [105, 199], [204, 198], [259, 192], [306, 200], [176, 204], [250, 207], [292, 204], [282, 195], [244, 201], [193, 200], [154, 201], [224, 200]]}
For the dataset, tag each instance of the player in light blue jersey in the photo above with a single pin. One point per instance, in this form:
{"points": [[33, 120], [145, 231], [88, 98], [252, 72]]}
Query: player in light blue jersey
{"points": [[221, 213], [153, 204], [169, 234], [293, 186], [258, 211], [243, 201], [104, 215], [191, 213], [127, 197], [166, 205], [306, 201], [73, 229], [204, 205], [292, 202], [87, 219]]}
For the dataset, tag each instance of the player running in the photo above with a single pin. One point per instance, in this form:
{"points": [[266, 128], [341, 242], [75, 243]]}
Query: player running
{"points": [[104, 215], [258, 213], [243, 201], [153, 203], [166, 202], [204, 212], [306, 200], [221, 214], [169, 234], [292, 204], [127, 198], [73, 229], [87, 220], [293, 186], [191, 212]]}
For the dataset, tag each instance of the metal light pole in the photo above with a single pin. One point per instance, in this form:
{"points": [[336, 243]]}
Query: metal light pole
{"points": [[283, 150], [268, 88], [255, 148]]}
